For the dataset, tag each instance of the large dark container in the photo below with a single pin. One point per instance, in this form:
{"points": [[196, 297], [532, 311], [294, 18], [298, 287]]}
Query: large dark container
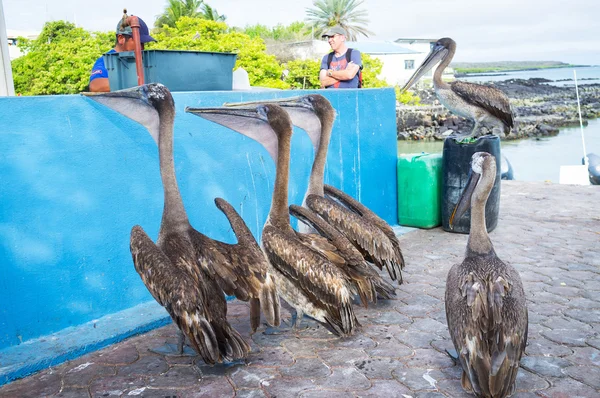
{"points": [[178, 70], [456, 165]]}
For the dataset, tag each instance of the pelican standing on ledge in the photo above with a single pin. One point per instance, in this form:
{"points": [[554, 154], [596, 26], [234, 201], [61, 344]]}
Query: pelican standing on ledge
{"points": [[484, 105], [486, 308]]}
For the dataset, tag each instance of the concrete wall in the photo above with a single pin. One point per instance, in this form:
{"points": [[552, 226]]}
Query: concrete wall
{"points": [[76, 177]]}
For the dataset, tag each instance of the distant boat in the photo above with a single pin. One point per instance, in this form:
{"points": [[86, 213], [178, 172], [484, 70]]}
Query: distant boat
{"points": [[506, 169], [593, 168]]}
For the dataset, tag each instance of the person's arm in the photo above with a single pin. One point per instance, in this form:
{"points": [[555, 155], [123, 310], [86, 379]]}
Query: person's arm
{"points": [[346, 74], [100, 85], [326, 81]]}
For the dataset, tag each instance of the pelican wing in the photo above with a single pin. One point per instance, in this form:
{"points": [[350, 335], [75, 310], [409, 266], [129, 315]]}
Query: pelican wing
{"points": [[367, 237], [489, 98], [323, 284], [487, 320], [177, 291]]}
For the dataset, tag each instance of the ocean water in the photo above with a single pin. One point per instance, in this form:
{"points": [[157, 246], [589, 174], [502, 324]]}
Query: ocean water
{"points": [[534, 159], [559, 76]]}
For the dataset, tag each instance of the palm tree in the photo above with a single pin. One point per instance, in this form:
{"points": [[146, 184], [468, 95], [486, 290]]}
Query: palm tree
{"points": [[211, 13], [328, 13], [176, 9]]}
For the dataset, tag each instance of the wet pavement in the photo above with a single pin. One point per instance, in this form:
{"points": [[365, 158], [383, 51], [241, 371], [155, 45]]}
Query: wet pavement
{"points": [[549, 232]]}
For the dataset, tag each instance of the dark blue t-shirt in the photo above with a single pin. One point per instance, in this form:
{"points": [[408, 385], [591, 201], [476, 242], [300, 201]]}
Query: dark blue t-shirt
{"points": [[340, 63], [99, 70]]}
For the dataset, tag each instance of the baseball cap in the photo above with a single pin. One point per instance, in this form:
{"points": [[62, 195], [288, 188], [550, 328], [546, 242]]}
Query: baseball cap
{"points": [[144, 32], [337, 29]]}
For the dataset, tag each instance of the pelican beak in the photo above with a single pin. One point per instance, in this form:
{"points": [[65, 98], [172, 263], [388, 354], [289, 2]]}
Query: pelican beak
{"points": [[249, 119], [464, 203], [137, 103], [436, 55], [297, 101]]}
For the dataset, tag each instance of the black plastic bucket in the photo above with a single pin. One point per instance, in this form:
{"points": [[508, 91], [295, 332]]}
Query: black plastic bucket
{"points": [[456, 165]]}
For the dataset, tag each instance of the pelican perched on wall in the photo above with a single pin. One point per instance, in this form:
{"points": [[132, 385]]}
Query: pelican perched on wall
{"points": [[485, 302], [482, 104], [306, 279], [371, 235], [184, 268]]}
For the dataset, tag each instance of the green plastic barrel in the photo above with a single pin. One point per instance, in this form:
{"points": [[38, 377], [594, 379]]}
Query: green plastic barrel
{"points": [[419, 190]]}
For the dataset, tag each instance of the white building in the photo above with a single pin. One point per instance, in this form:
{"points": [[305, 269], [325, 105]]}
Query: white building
{"points": [[12, 35]]}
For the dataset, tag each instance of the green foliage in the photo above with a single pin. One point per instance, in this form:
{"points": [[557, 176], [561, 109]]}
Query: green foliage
{"points": [[406, 97], [371, 69], [303, 74], [176, 9], [211, 13], [295, 31], [205, 35], [327, 13], [59, 61]]}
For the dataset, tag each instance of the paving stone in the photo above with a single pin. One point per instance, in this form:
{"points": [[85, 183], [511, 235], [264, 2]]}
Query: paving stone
{"points": [[583, 303], [416, 339], [251, 376], [429, 325], [592, 294], [271, 356], [323, 394], [543, 347], [211, 387], [71, 392], [272, 340], [545, 366], [565, 323], [564, 291], [316, 332], [286, 387], [357, 341], [82, 374], [527, 381], [546, 309], [311, 368], [453, 372], [378, 368], [429, 358], [115, 386], [575, 338], [145, 392], [121, 354], [148, 365], [422, 299], [250, 393], [305, 348], [428, 394], [390, 349], [381, 332], [219, 369], [594, 342], [589, 375], [345, 379], [453, 388], [585, 356], [567, 387], [385, 388], [583, 315], [388, 318], [42, 384], [342, 356], [418, 379], [415, 311], [177, 377]]}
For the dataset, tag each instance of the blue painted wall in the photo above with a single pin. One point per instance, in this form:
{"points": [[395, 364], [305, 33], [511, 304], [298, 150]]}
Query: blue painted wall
{"points": [[75, 177]]}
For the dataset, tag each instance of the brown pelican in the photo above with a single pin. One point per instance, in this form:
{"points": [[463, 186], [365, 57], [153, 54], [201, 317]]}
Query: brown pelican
{"points": [[182, 268], [306, 279], [485, 302], [372, 236], [315, 115], [482, 104]]}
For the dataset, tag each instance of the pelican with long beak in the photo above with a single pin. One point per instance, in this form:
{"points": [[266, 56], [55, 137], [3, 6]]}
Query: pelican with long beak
{"points": [[486, 308], [483, 105], [182, 270], [371, 238], [305, 278]]}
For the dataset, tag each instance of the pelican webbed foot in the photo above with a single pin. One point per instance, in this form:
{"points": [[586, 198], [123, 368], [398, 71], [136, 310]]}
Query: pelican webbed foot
{"points": [[178, 349]]}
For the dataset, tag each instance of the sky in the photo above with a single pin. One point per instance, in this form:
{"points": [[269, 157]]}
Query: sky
{"points": [[507, 30]]}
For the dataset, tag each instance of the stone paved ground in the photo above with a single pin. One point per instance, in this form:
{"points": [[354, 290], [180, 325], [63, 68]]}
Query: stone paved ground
{"points": [[550, 233]]}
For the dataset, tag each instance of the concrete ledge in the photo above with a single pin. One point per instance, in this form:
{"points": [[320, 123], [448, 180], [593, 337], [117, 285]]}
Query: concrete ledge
{"points": [[36, 354]]}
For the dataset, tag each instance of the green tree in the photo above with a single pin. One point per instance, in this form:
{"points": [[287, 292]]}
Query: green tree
{"points": [[371, 69], [296, 31], [176, 9], [303, 74], [204, 35], [59, 61], [327, 13], [211, 14]]}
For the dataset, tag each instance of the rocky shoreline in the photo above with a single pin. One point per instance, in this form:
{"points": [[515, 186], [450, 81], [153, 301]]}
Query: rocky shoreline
{"points": [[539, 109]]}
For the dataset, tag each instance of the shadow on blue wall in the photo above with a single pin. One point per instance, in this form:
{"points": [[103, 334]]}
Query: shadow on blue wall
{"points": [[77, 176]]}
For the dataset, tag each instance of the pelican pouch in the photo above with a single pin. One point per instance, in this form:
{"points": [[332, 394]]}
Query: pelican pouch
{"points": [[456, 165]]}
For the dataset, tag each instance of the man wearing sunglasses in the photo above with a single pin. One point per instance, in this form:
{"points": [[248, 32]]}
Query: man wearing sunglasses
{"points": [[338, 70]]}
